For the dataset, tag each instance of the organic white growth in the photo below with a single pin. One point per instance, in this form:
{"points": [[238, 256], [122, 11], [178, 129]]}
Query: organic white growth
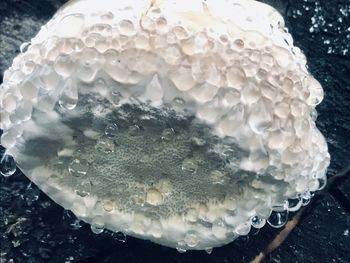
{"points": [[181, 122]]}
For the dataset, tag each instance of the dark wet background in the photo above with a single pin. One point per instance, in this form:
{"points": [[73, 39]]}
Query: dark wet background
{"points": [[35, 229]]}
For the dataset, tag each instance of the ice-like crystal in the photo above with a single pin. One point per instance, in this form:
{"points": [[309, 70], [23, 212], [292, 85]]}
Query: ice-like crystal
{"points": [[181, 122]]}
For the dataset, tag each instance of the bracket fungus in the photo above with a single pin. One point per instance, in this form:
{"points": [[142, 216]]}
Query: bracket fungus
{"points": [[181, 122]]}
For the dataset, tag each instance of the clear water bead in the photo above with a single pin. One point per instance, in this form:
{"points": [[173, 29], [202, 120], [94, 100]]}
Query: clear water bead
{"points": [[209, 250], [64, 66], [281, 207], [111, 130], [69, 96], [97, 225], [191, 239], [198, 141], [322, 182], [217, 177], [24, 47], [8, 139], [106, 146], [258, 222], [78, 167], [180, 250], [108, 205], [168, 134], [7, 165], [243, 229], [119, 236], [278, 219], [179, 101], [126, 27], [306, 198], [101, 86], [313, 114], [294, 204], [115, 97], [189, 165], [83, 189], [134, 130]]}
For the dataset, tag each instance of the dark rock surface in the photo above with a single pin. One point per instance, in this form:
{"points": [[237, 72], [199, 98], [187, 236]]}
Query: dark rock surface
{"points": [[34, 229]]}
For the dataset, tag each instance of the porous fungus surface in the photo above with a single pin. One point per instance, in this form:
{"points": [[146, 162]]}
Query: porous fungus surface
{"points": [[181, 122]]}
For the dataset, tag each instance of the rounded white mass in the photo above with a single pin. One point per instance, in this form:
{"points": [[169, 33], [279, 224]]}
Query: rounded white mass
{"points": [[180, 122]]}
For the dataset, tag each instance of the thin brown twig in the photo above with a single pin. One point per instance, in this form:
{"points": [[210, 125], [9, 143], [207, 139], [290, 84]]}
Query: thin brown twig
{"points": [[279, 239]]}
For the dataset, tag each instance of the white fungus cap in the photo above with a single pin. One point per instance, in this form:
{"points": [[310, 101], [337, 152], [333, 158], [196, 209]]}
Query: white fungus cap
{"points": [[180, 122]]}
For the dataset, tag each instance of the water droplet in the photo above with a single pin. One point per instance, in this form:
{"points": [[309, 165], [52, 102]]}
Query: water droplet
{"points": [[238, 44], [243, 229], [145, 158], [306, 198], [24, 47], [179, 101], [78, 167], [83, 188], [217, 177], [258, 222], [191, 239], [106, 146], [260, 119], [313, 114], [189, 165], [263, 211], [278, 219], [8, 139], [322, 182], [68, 98], [180, 249], [97, 225], [107, 16], [119, 236], [64, 66], [316, 93], [24, 110], [198, 141], [115, 97], [280, 207], [108, 205], [235, 77], [154, 90], [168, 134], [153, 196], [126, 27], [53, 180], [209, 250], [294, 204], [7, 165], [134, 130], [100, 86], [27, 67], [111, 130]]}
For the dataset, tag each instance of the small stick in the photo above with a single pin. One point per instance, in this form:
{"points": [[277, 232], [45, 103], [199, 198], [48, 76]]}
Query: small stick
{"points": [[279, 239]]}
